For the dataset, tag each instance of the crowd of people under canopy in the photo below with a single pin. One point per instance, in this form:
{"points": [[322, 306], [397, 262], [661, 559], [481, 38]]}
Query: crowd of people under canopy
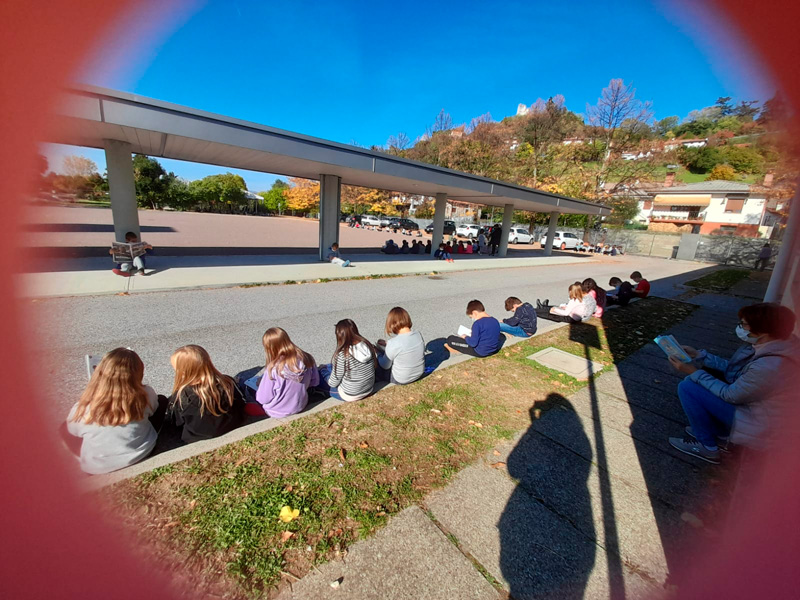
{"points": [[118, 419]]}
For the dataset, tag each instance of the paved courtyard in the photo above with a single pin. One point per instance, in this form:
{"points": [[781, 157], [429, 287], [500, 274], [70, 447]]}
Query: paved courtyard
{"points": [[59, 231]]}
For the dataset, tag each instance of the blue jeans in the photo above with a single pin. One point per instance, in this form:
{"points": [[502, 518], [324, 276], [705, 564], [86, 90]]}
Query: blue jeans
{"points": [[515, 330], [324, 374], [709, 415]]}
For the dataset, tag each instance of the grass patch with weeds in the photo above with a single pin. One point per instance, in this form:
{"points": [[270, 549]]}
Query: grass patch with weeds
{"points": [[215, 517], [721, 280]]}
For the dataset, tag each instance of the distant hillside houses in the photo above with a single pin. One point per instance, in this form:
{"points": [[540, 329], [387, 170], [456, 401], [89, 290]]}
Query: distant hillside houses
{"points": [[709, 207], [688, 143]]}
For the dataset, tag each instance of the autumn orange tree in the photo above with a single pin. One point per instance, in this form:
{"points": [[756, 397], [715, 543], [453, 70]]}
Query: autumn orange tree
{"points": [[302, 195]]}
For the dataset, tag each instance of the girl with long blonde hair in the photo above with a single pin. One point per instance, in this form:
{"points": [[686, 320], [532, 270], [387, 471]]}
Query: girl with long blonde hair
{"points": [[112, 414], [580, 306], [288, 374], [204, 402]]}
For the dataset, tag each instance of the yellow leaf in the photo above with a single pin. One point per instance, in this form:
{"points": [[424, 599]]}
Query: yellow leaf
{"points": [[287, 514]]}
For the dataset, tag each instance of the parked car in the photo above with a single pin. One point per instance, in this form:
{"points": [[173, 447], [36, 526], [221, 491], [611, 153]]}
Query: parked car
{"points": [[407, 224], [370, 220], [386, 221], [563, 240], [518, 235], [468, 230], [449, 228]]}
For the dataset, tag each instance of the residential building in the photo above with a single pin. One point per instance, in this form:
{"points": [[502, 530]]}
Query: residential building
{"points": [[717, 207]]}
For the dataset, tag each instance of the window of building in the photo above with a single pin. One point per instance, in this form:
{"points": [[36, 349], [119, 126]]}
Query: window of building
{"points": [[734, 205], [727, 228]]}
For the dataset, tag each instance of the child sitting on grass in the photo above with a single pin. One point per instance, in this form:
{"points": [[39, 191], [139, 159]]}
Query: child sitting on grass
{"points": [[335, 258], [204, 402], [523, 323]]}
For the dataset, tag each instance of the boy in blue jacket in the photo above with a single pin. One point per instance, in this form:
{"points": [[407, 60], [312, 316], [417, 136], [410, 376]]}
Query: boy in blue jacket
{"points": [[485, 338]]}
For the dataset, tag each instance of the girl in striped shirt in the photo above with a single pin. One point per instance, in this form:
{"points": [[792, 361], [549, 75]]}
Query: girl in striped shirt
{"points": [[351, 374]]}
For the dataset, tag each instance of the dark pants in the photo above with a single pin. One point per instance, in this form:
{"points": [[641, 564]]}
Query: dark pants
{"points": [[544, 313], [493, 246], [761, 263], [460, 344], [612, 300]]}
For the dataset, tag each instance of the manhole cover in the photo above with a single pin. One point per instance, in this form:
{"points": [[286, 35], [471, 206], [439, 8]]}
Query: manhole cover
{"points": [[436, 277]]}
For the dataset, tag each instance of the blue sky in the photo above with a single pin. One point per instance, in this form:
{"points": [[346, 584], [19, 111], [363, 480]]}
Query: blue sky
{"points": [[359, 72]]}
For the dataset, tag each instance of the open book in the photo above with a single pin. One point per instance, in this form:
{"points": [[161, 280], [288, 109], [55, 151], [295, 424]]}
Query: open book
{"points": [[671, 348], [127, 252], [464, 330]]}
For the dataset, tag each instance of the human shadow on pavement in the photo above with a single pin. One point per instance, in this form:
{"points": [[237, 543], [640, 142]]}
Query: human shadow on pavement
{"points": [[545, 553]]}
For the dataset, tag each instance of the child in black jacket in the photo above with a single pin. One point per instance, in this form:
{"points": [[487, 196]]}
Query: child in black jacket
{"points": [[523, 323]]}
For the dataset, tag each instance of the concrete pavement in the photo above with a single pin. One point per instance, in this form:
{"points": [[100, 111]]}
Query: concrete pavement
{"points": [[195, 272], [589, 502]]}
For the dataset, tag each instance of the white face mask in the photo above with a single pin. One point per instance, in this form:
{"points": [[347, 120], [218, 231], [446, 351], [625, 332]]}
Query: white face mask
{"points": [[745, 335]]}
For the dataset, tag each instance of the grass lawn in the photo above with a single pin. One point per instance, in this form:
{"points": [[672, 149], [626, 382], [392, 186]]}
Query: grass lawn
{"points": [[720, 281], [212, 522]]}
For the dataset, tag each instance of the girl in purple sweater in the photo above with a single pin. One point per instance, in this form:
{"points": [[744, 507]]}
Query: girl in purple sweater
{"points": [[288, 374]]}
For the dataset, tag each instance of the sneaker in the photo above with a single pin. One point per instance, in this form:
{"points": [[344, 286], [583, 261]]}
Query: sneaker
{"points": [[722, 440], [120, 272], [141, 272], [689, 445], [346, 263]]}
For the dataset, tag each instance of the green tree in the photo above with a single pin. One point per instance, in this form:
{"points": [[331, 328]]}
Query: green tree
{"points": [[152, 181], [724, 105], [746, 110], [275, 199], [179, 195], [730, 123], [700, 160], [744, 160], [665, 125], [219, 193], [623, 209], [696, 128]]}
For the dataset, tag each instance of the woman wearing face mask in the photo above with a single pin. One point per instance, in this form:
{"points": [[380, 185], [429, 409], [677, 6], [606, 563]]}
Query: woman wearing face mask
{"points": [[744, 406]]}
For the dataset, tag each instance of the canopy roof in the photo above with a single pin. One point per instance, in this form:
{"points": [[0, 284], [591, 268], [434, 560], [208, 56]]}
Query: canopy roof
{"points": [[89, 115]]}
